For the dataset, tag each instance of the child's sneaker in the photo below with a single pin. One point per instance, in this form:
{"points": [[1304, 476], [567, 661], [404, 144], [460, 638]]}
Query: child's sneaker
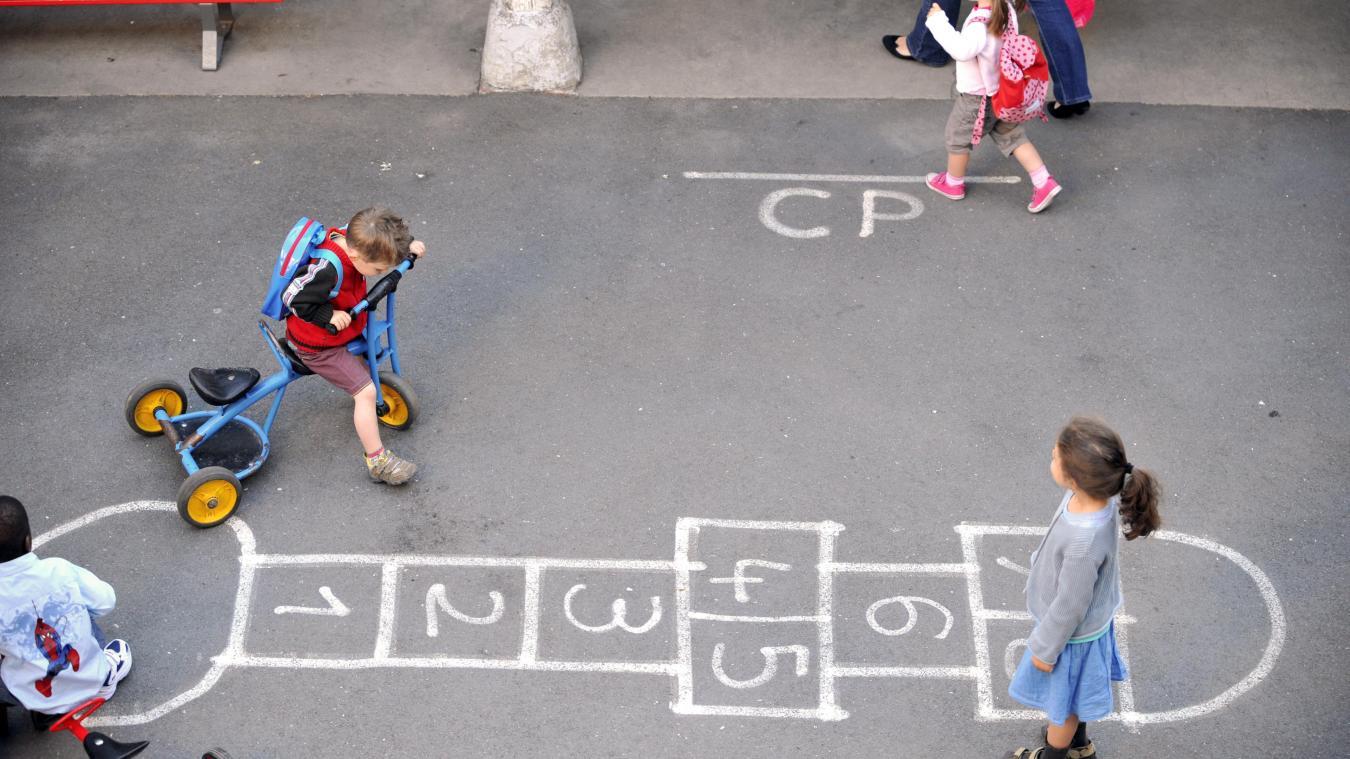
{"points": [[938, 183], [1041, 197], [389, 468], [118, 652]]}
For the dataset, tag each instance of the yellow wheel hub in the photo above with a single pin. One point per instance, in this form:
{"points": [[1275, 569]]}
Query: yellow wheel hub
{"points": [[398, 410], [212, 502], [145, 408]]}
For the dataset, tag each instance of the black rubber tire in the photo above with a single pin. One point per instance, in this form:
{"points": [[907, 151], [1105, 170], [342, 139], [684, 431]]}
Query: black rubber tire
{"points": [[409, 400], [192, 512], [216, 753], [142, 390]]}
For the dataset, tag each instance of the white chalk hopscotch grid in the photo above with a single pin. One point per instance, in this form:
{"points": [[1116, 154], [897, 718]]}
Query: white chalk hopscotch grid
{"points": [[681, 667]]}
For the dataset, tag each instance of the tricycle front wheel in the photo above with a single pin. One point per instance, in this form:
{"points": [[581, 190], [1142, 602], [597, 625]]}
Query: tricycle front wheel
{"points": [[208, 496], [149, 396], [398, 395]]}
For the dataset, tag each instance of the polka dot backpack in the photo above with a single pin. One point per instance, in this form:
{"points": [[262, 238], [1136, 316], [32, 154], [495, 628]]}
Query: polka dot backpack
{"points": [[1023, 76]]}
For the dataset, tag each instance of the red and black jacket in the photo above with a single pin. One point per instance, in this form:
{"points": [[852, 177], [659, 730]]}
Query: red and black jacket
{"points": [[307, 298]]}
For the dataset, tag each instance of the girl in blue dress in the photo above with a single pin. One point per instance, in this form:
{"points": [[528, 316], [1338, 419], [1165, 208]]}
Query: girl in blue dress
{"points": [[1073, 591]]}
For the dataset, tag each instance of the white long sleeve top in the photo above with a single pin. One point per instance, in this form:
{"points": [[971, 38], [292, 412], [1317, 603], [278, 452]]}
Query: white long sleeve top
{"points": [[973, 48], [49, 658]]}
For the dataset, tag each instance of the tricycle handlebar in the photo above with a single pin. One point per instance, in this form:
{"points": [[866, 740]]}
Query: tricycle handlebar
{"points": [[387, 284]]}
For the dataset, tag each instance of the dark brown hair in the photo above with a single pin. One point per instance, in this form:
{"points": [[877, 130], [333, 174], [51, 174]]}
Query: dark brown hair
{"points": [[14, 532], [379, 236], [998, 18], [1094, 458]]}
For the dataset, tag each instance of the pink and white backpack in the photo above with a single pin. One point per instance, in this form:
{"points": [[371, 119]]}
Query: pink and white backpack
{"points": [[1023, 79]]}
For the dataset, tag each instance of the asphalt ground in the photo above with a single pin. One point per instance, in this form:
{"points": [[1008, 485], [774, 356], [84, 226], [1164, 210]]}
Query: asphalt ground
{"points": [[602, 346]]}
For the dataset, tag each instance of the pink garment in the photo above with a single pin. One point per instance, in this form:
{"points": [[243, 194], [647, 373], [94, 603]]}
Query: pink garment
{"points": [[1081, 10]]}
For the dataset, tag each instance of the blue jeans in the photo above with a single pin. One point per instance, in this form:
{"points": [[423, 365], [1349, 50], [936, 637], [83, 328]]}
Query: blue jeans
{"points": [[1059, 39], [1063, 50], [922, 46]]}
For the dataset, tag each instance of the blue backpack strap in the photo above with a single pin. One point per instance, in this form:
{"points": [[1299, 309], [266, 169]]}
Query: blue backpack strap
{"points": [[331, 258]]}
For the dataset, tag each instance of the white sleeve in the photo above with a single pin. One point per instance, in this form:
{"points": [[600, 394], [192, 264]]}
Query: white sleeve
{"points": [[962, 45], [97, 595]]}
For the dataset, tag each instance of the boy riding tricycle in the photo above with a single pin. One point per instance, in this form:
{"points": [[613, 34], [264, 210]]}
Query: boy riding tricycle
{"points": [[332, 329]]}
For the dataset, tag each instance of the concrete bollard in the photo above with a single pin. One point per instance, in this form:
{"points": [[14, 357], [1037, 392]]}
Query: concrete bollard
{"points": [[530, 46]]}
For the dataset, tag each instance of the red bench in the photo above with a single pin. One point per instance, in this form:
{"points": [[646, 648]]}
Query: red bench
{"points": [[217, 20]]}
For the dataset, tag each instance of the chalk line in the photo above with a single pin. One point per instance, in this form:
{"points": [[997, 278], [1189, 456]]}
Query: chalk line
{"points": [[384, 636], [864, 178]]}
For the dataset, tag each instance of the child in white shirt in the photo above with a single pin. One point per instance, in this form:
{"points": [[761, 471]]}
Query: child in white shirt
{"points": [[976, 51], [52, 655]]}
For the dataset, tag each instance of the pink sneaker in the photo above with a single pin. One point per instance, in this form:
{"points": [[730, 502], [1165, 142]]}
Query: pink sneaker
{"points": [[938, 183], [1040, 199]]}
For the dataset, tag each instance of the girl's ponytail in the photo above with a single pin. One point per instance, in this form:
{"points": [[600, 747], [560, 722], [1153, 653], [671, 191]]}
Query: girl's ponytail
{"points": [[1139, 503], [1094, 458]]}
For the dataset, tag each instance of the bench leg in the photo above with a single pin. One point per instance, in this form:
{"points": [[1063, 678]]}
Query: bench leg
{"points": [[217, 23]]}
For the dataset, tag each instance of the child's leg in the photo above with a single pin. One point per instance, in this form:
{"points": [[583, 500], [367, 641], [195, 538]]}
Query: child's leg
{"points": [[1027, 156], [366, 422], [956, 165], [1060, 736], [380, 461]]}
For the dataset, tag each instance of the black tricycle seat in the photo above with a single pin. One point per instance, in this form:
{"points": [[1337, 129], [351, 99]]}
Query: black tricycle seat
{"points": [[99, 746], [221, 387]]}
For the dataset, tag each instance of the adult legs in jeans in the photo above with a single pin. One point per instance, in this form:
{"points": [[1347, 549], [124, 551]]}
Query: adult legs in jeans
{"points": [[1063, 51], [921, 44]]}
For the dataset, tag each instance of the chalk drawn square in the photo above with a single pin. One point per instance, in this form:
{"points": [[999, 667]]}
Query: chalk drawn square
{"points": [[310, 625], [606, 615], [902, 620], [731, 667], [755, 572], [458, 612]]}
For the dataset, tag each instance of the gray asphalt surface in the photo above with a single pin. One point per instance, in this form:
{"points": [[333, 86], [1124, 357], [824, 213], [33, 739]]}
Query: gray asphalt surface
{"points": [[602, 346]]}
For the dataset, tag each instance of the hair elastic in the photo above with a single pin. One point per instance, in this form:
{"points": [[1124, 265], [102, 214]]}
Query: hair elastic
{"points": [[1129, 468]]}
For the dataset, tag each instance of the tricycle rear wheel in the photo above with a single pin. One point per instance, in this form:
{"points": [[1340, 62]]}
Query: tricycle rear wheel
{"points": [[148, 396], [208, 496]]}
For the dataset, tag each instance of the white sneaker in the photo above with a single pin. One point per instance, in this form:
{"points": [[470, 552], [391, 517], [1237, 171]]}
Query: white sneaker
{"points": [[118, 652]]}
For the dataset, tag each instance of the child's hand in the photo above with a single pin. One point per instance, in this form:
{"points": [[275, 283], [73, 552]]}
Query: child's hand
{"points": [[418, 248], [1042, 666], [934, 10], [340, 319]]}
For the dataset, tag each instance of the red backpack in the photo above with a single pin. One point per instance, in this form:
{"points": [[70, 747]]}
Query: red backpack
{"points": [[1023, 76]]}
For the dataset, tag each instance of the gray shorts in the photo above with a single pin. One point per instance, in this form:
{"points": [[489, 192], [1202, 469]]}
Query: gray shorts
{"points": [[961, 126]]}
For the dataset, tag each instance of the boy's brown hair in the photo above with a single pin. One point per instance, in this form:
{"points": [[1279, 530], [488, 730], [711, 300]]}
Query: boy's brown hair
{"points": [[998, 17], [379, 236]]}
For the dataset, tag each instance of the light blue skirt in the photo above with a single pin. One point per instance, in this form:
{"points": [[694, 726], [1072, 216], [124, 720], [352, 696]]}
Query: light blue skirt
{"points": [[1080, 683]]}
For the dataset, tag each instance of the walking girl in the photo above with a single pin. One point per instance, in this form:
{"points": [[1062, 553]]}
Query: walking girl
{"points": [[976, 50]]}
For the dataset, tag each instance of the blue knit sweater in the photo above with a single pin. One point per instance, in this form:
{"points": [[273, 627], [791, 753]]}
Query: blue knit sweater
{"points": [[1073, 590]]}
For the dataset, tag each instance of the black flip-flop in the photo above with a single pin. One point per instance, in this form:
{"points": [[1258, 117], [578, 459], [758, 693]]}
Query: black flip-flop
{"points": [[891, 43]]}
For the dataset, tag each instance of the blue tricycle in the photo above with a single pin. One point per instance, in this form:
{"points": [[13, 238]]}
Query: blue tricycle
{"points": [[218, 448]]}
